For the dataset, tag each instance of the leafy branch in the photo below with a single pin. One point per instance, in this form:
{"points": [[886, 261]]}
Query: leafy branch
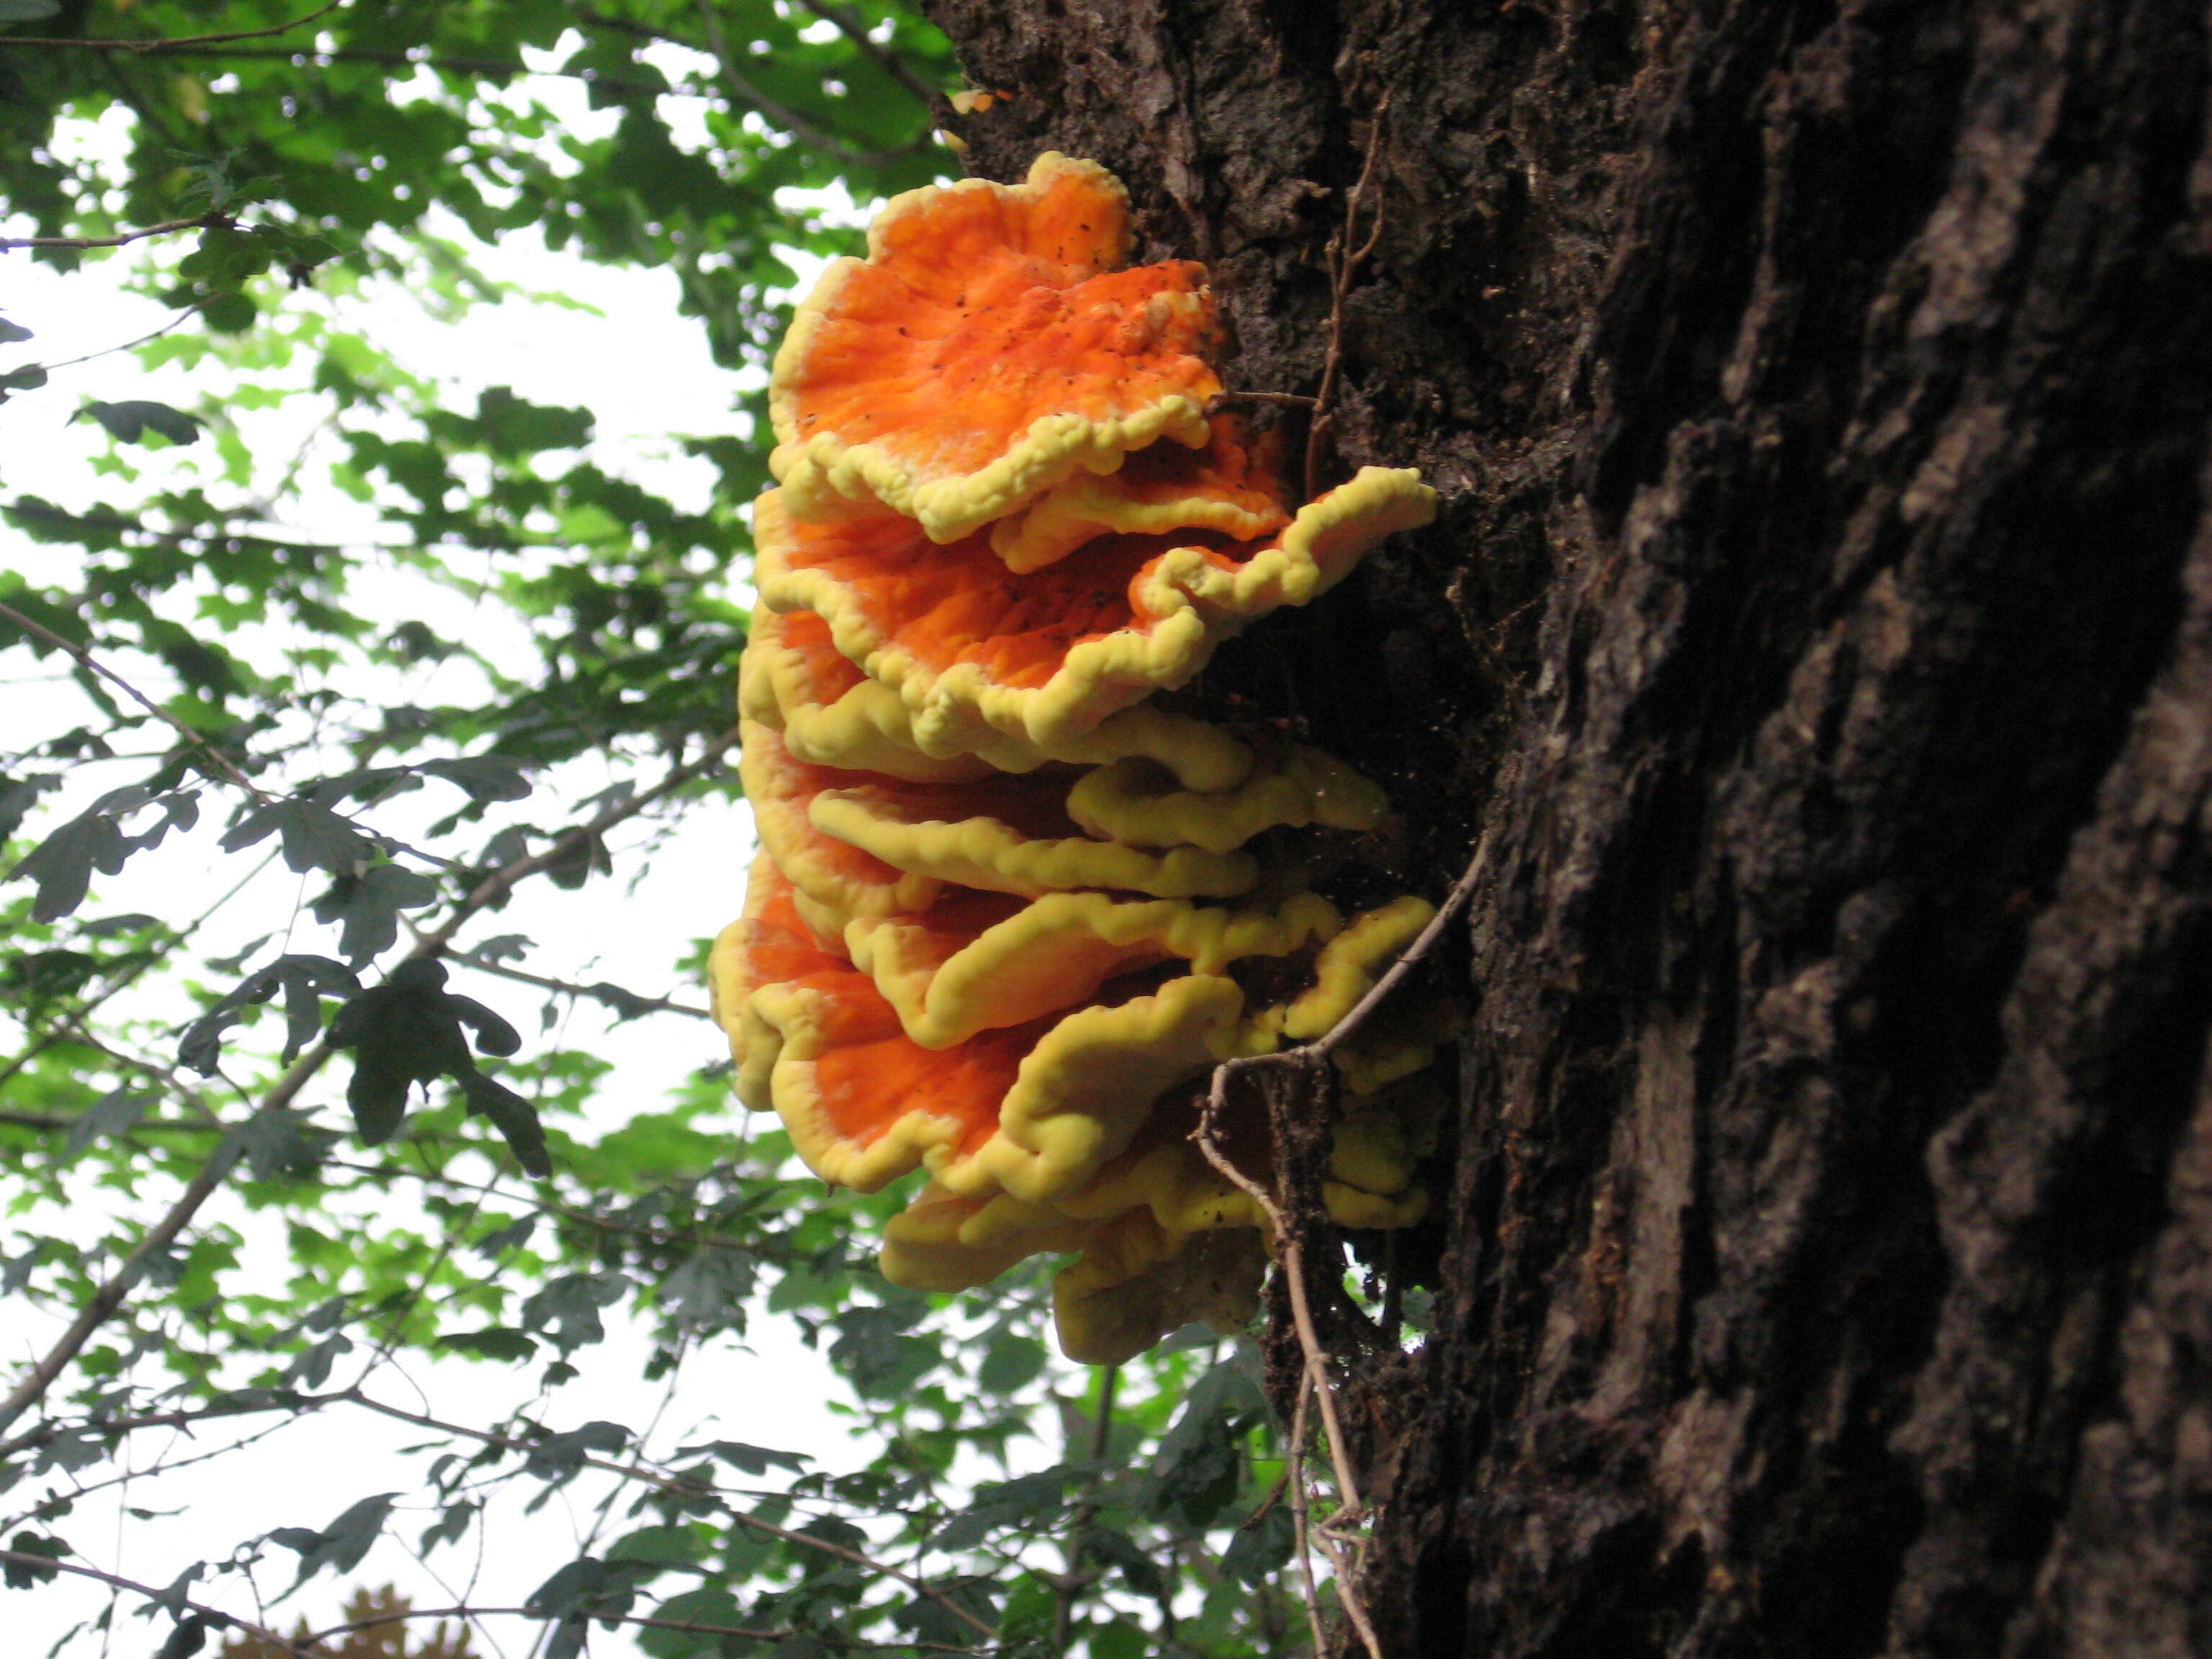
{"points": [[111, 1293]]}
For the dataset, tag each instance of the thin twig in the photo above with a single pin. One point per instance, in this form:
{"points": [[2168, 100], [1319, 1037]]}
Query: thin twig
{"points": [[214, 1616], [167, 227], [158, 44], [887, 60], [1344, 1560], [1314, 1372], [174, 323], [92, 664], [1221, 400], [1296, 1467], [1344, 261], [73, 1026], [628, 1004]]}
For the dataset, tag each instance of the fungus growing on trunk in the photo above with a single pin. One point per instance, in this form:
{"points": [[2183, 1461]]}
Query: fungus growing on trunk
{"points": [[1008, 909]]}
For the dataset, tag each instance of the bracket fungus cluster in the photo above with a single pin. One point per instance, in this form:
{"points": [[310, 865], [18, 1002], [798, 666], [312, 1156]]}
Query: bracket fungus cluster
{"points": [[1008, 911]]}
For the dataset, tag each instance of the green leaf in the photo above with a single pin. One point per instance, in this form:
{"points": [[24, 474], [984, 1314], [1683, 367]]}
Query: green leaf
{"points": [[340, 1546], [485, 777], [669, 1546], [709, 1604], [131, 420], [12, 333], [229, 313], [113, 1113], [313, 836], [366, 907], [1194, 1475], [515, 426], [493, 1342], [1011, 1361], [1261, 1547], [303, 981], [22, 1574], [754, 1461], [62, 864], [27, 11], [410, 1029]]}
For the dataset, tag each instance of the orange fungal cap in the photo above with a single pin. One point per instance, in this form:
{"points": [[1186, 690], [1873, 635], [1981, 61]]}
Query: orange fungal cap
{"points": [[1047, 657], [987, 348], [1028, 1109], [1156, 492], [978, 961], [793, 677], [989, 847], [830, 872]]}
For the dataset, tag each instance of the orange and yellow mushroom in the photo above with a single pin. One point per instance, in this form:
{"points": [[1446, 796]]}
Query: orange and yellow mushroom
{"points": [[1009, 910]]}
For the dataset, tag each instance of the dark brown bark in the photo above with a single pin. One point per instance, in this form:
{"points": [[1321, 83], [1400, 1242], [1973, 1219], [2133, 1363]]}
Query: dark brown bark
{"points": [[1820, 624]]}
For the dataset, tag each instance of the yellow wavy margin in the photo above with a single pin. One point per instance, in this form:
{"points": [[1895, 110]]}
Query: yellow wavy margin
{"points": [[1121, 803], [1056, 952], [1076, 1099], [985, 854], [1064, 517], [787, 833], [869, 728], [1191, 602]]}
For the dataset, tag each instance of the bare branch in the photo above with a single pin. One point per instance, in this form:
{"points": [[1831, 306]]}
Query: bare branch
{"points": [[1314, 1374], [92, 664], [854, 30], [157, 45], [169, 226], [1344, 262], [215, 1616], [626, 1003]]}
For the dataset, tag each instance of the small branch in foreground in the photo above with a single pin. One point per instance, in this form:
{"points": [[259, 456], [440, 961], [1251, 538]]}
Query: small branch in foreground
{"points": [[92, 664], [885, 59], [159, 44], [214, 1617], [167, 227], [1221, 400], [1345, 260], [1314, 1373], [628, 1004]]}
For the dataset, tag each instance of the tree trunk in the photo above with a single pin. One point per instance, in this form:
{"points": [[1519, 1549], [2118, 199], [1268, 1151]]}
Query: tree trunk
{"points": [[1818, 627]]}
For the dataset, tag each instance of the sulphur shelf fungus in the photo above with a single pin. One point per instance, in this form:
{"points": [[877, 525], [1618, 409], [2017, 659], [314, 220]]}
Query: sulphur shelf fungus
{"points": [[1009, 913]]}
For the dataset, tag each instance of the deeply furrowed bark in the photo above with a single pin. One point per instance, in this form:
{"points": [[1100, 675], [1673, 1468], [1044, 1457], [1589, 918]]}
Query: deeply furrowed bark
{"points": [[1820, 622]]}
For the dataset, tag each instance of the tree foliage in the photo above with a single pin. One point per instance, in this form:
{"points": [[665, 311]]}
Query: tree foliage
{"points": [[348, 657]]}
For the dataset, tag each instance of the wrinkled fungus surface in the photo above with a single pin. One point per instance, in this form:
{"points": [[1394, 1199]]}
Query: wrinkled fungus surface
{"points": [[1008, 912]]}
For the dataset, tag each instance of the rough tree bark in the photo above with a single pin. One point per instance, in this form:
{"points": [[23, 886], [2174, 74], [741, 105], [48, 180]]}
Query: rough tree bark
{"points": [[1820, 625]]}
